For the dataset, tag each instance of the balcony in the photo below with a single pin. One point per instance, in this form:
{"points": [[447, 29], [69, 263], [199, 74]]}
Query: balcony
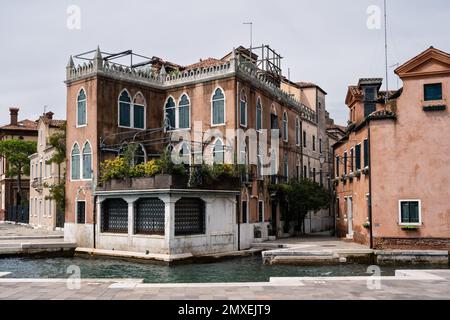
{"points": [[37, 184]]}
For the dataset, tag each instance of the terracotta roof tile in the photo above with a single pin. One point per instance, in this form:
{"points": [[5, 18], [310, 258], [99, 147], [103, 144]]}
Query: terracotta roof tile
{"points": [[204, 63], [21, 125]]}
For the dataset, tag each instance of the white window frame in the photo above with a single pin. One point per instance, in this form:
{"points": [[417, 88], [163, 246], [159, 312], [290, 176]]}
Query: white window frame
{"points": [[224, 108], [165, 115], [82, 161], [76, 109], [177, 113], [132, 98], [400, 212], [223, 150]]}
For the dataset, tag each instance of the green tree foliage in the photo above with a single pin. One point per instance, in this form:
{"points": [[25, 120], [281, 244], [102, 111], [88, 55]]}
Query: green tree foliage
{"points": [[58, 191], [301, 197], [16, 152]]}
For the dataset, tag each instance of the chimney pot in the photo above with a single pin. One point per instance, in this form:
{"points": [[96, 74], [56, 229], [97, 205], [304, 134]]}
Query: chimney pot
{"points": [[49, 115], [14, 112]]}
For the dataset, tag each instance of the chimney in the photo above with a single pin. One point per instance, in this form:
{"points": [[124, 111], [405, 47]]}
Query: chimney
{"points": [[14, 115], [49, 115]]}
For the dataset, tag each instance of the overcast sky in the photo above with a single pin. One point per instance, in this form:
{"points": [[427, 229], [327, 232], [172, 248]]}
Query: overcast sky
{"points": [[322, 41]]}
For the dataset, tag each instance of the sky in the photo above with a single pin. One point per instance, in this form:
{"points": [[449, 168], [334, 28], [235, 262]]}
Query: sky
{"points": [[330, 43]]}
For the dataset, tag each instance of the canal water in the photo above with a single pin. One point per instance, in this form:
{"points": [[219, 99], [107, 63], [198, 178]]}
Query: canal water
{"points": [[249, 269]]}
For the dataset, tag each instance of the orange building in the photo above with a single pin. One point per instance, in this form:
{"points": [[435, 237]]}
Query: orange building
{"points": [[392, 185]]}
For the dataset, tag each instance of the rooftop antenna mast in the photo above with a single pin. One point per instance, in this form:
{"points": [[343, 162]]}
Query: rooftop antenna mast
{"points": [[386, 97], [251, 37]]}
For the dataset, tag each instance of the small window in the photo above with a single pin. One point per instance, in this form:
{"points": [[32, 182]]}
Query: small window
{"points": [[305, 172], [124, 109], [410, 212], [244, 211], [366, 153], [183, 112], [243, 109], [170, 114], [358, 157], [273, 121], [304, 139], [75, 167], [261, 211], [218, 152], [320, 145], [81, 108], [432, 91], [337, 166], [285, 126], [352, 157], [218, 107], [139, 112], [258, 115], [87, 161], [297, 132], [345, 162], [81, 212], [314, 143]]}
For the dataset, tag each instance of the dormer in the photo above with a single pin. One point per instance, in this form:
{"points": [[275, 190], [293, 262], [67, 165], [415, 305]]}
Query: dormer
{"points": [[363, 99]]}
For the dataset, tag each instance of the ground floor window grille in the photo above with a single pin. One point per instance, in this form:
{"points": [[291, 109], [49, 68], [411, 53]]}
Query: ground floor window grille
{"points": [[114, 216], [150, 216], [81, 211], [189, 216]]}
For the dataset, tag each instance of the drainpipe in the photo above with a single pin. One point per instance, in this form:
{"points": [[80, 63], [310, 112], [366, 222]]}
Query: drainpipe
{"points": [[95, 218], [370, 186]]}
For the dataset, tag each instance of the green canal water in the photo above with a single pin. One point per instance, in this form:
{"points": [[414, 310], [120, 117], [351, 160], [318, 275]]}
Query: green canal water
{"points": [[249, 269]]}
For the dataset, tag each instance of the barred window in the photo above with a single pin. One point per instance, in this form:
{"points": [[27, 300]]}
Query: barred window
{"points": [[114, 217], [189, 216], [150, 216], [81, 211]]}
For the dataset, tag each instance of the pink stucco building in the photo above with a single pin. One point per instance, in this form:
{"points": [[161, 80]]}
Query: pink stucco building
{"points": [[392, 172]]}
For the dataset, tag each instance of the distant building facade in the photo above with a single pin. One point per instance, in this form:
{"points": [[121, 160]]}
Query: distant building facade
{"points": [[43, 175], [391, 177], [9, 195]]}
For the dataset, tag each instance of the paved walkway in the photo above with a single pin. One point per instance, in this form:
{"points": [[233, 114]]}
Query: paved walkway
{"points": [[407, 285], [20, 239], [17, 230]]}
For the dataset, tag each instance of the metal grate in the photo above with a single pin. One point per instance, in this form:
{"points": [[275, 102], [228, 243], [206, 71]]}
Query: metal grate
{"points": [[114, 216], [150, 216], [81, 212], [189, 216]]}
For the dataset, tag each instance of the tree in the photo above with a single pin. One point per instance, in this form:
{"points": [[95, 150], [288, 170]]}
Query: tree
{"points": [[57, 191], [301, 197], [16, 152]]}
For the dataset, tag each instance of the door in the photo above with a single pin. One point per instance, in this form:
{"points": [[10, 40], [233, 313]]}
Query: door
{"points": [[350, 216]]}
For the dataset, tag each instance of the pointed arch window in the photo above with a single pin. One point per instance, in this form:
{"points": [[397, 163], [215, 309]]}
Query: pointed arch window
{"points": [[258, 114], [297, 132], [87, 161], [185, 153], [124, 109], [75, 162], [183, 112], [169, 110], [139, 111], [218, 152], [218, 107], [243, 109], [81, 108]]}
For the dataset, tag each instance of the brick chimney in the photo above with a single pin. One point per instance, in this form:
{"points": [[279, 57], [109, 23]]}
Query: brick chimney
{"points": [[14, 112], [49, 115]]}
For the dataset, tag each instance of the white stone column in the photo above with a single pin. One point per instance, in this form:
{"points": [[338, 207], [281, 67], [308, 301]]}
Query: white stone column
{"points": [[169, 221]]}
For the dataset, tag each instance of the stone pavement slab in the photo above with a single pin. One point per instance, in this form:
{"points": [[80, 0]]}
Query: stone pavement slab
{"points": [[409, 284]]}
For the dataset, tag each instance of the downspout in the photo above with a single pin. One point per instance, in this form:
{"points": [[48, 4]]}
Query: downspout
{"points": [[238, 198], [370, 186]]}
